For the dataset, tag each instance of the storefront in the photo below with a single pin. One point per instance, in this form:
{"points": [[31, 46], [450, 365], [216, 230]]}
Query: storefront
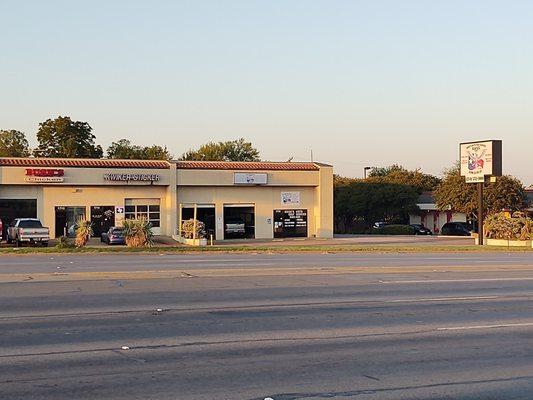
{"points": [[233, 200]]}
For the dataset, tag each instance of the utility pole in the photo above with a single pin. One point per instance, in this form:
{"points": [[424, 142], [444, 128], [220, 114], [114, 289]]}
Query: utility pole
{"points": [[480, 212]]}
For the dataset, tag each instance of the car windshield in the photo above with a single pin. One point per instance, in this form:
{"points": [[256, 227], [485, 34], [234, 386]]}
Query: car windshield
{"points": [[117, 231], [30, 223]]}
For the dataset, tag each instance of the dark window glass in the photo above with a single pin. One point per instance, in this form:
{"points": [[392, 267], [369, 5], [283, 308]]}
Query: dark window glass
{"points": [[129, 209], [30, 224], [142, 208], [154, 208]]}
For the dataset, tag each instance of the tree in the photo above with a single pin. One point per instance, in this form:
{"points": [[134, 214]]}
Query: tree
{"points": [[62, 137], [506, 193], [234, 150], [156, 152], [13, 144], [400, 175], [124, 149], [358, 202]]}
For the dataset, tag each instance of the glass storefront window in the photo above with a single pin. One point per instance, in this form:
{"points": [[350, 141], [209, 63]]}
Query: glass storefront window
{"points": [[150, 212]]}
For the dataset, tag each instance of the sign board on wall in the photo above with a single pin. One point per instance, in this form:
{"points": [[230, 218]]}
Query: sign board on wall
{"points": [[244, 178], [132, 177], [119, 216], [290, 198], [44, 175], [480, 159]]}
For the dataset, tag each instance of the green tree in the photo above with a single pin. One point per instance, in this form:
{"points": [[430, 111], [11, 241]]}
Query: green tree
{"points": [[506, 193], [124, 149], [234, 150], [62, 137], [156, 152], [400, 175], [13, 144], [361, 203]]}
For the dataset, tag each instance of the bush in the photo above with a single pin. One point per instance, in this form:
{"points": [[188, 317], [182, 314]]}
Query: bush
{"points": [[63, 242], [138, 232], [503, 226], [395, 230], [187, 229], [83, 232]]}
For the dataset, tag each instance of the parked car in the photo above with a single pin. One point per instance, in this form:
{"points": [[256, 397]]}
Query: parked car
{"points": [[1, 230], [421, 229], [114, 235], [28, 230], [235, 226], [455, 229]]}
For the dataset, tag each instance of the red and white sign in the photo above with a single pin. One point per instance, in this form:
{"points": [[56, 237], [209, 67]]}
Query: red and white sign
{"points": [[42, 175]]}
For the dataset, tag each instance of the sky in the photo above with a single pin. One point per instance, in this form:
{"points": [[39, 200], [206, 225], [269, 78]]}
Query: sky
{"points": [[358, 83]]}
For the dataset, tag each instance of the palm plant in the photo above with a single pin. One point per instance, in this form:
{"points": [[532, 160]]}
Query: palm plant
{"points": [[138, 232], [83, 232]]}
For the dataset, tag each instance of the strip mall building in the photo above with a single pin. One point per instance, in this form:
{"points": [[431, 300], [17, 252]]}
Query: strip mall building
{"points": [[273, 200]]}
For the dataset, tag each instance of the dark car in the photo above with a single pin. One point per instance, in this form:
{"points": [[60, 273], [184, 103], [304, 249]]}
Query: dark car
{"points": [[455, 229], [421, 229], [114, 235]]}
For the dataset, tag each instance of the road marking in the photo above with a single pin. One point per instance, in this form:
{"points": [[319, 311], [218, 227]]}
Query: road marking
{"points": [[460, 280], [442, 299], [463, 328]]}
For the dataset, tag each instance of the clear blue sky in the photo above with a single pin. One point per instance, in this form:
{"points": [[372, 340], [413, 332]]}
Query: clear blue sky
{"points": [[358, 82]]}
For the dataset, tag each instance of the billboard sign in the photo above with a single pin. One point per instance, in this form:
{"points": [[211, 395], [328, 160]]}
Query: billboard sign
{"points": [[480, 159]]}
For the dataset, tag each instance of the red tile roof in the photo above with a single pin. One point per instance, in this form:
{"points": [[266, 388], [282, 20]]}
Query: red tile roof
{"points": [[248, 166], [83, 163]]}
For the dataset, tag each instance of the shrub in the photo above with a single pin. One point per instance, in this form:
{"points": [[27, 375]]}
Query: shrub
{"points": [[187, 229], [63, 242], [503, 226], [138, 232], [395, 230], [83, 232]]}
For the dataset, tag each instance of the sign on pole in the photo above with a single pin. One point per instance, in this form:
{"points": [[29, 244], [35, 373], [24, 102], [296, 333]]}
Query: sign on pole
{"points": [[480, 159]]}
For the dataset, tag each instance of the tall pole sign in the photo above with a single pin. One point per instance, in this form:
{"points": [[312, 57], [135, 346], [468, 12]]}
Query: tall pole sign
{"points": [[480, 160]]}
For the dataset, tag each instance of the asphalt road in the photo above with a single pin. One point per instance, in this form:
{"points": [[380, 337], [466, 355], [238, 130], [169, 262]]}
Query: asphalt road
{"points": [[308, 326]]}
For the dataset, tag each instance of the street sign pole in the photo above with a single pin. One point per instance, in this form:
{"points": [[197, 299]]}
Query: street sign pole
{"points": [[480, 213]]}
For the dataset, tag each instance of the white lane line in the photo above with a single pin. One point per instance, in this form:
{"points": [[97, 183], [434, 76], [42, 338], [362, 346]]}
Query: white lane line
{"points": [[442, 299], [460, 280], [463, 328]]}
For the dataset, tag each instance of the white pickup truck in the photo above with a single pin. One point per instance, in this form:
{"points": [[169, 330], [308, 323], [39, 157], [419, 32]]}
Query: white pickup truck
{"points": [[27, 230]]}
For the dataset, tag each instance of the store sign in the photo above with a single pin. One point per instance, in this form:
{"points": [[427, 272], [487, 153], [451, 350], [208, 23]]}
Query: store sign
{"points": [[41, 175], [290, 198], [132, 177], [480, 159], [242, 178]]}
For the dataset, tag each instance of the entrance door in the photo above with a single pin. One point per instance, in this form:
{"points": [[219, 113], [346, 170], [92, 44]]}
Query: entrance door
{"points": [[290, 223], [16, 208], [67, 219], [239, 221], [204, 213], [102, 218]]}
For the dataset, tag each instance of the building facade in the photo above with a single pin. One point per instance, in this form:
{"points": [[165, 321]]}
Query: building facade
{"points": [[431, 216], [234, 199]]}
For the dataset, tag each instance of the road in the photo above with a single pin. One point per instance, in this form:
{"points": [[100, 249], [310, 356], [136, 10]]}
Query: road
{"points": [[252, 326]]}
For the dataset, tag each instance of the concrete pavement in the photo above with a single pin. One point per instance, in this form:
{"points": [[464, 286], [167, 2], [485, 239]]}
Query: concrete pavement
{"points": [[346, 326]]}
